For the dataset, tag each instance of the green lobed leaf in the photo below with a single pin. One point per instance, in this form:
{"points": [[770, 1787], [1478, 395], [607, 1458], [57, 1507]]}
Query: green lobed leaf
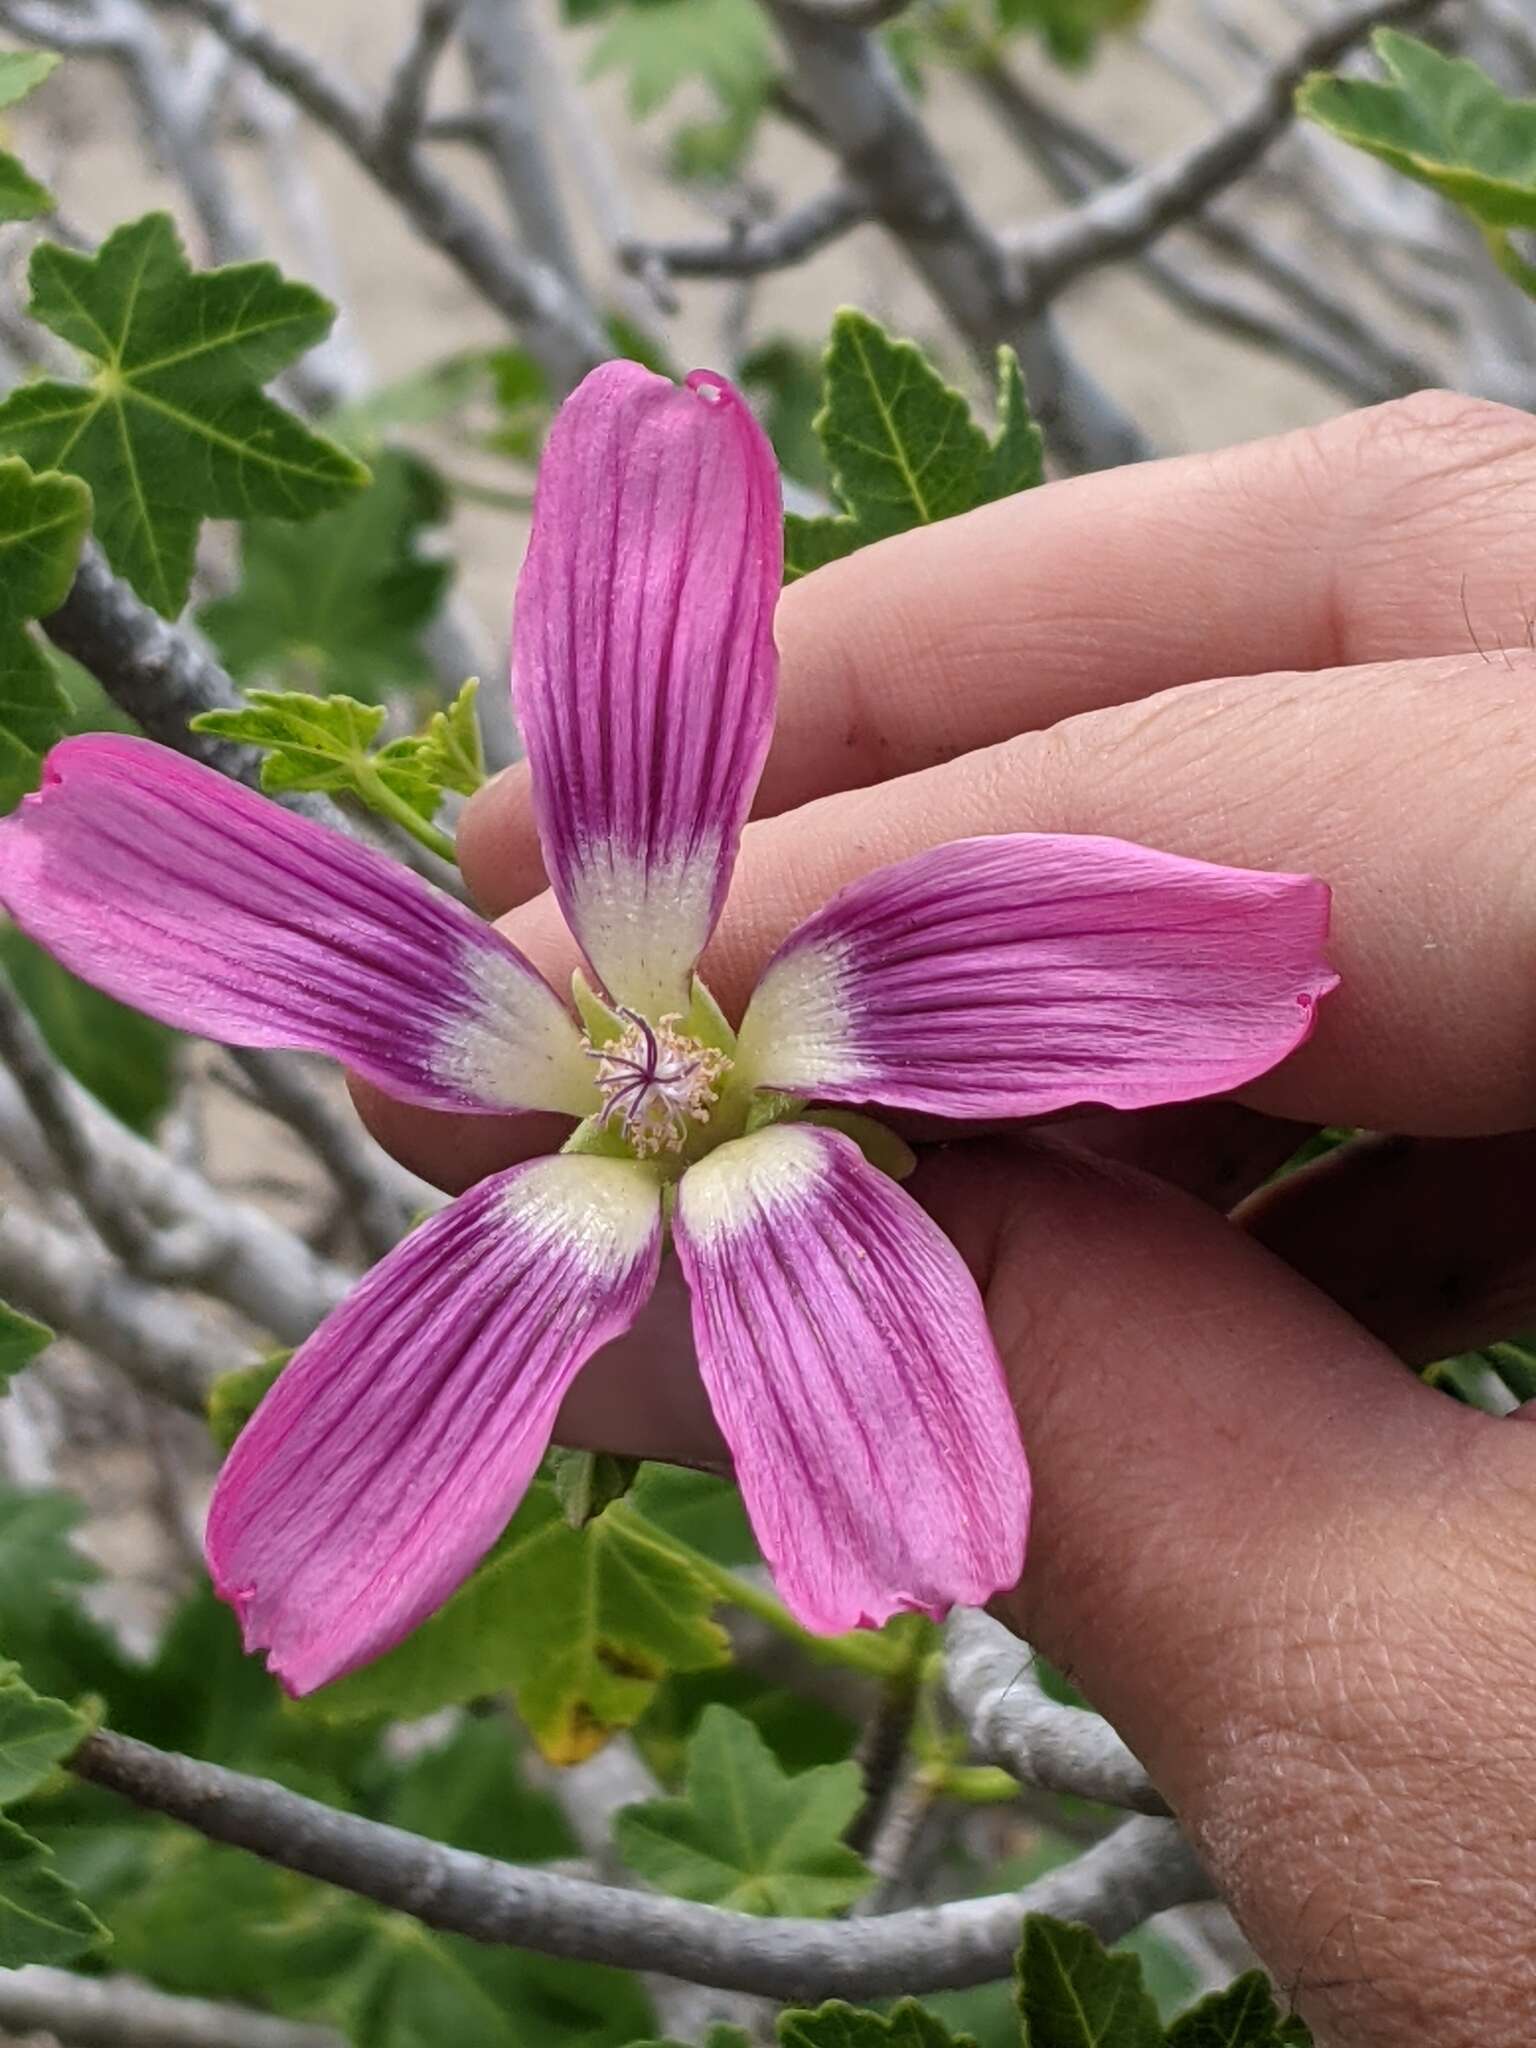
{"points": [[172, 426], [719, 2036], [1444, 123], [42, 1918], [660, 45], [586, 1482], [902, 447], [42, 523], [235, 1396], [1245, 2015], [447, 753], [746, 1835], [1069, 29], [1072, 1993], [126, 1059], [20, 1342], [836, 2025], [340, 603], [581, 1624], [36, 1734]]}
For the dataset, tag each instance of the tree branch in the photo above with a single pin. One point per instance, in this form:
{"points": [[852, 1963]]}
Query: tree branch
{"points": [[990, 1675], [752, 250], [560, 330], [847, 83], [500, 44], [405, 96], [1143, 1868], [120, 2012], [1125, 218]]}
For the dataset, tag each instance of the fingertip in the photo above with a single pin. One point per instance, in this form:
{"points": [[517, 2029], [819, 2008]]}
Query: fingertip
{"points": [[498, 842]]}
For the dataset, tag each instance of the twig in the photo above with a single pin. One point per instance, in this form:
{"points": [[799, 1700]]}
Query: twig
{"points": [[162, 1346], [382, 1199], [845, 81], [753, 250], [405, 96], [1125, 218], [1142, 1869], [501, 48], [249, 1261], [991, 1682], [120, 2012], [561, 331]]}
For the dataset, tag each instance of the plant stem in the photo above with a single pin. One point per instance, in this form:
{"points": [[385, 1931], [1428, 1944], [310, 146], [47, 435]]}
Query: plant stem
{"points": [[377, 794]]}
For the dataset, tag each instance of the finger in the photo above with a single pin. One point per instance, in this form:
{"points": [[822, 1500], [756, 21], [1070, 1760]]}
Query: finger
{"points": [[1385, 535], [1294, 1579], [1430, 1244]]}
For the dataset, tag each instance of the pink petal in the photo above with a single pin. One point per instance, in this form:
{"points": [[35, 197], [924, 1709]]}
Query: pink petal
{"points": [[393, 1449], [847, 1357], [643, 664], [215, 909], [1019, 975]]}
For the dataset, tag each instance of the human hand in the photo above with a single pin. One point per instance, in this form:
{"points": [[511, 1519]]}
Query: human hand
{"points": [[1294, 1577]]}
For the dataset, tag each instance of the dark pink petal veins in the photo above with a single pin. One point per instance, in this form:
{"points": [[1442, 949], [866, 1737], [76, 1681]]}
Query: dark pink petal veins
{"points": [[848, 1361], [1020, 975], [392, 1450], [643, 664], [215, 909]]}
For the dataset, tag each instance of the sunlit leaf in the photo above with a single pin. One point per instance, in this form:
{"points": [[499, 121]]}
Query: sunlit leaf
{"points": [[21, 196], [20, 1342], [745, 1835], [172, 426], [36, 1734], [581, 1624], [902, 447]]}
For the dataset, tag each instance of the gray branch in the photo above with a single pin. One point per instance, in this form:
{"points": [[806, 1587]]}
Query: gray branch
{"points": [[163, 1346], [561, 331], [245, 1258], [846, 82], [754, 250], [990, 1675], [405, 96], [501, 47], [1143, 1868], [1125, 218], [120, 2012]]}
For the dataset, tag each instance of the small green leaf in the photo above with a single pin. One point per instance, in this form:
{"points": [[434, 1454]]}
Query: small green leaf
{"points": [[126, 1059], [325, 743], [1069, 29], [726, 44], [42, 523], [1442, 122], [784, 377], [235, 1396], [447, 753], [339, 603], [21, 197], [902, 446], [42, 1919], [745, 1835], [172, 426], [1073, 1994], [1243, 2016], [836, 2025], [581, 1624], [36, 1733], [20, 1342], [586, 1482]]}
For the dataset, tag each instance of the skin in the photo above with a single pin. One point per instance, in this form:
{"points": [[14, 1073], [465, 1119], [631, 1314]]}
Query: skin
{"points": [[1298, 1581]]}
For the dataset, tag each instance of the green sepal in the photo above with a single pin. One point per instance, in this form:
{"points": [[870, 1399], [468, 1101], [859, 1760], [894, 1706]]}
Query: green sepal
{"points": [[769, 1107], [593, 1139], [707, 1022], [586, 1482], [877, 1141], [601, 1022]]}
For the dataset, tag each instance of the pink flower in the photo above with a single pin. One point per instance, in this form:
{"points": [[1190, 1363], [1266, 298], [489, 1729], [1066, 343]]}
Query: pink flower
{"points": [[841, 1339]]}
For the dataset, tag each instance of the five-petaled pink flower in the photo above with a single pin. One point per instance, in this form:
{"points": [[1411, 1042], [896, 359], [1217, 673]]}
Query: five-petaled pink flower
{"points": [[842, 1341]]}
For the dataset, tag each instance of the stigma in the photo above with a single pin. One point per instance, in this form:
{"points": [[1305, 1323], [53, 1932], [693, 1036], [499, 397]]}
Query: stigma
{"points": [[656, 1083]]}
